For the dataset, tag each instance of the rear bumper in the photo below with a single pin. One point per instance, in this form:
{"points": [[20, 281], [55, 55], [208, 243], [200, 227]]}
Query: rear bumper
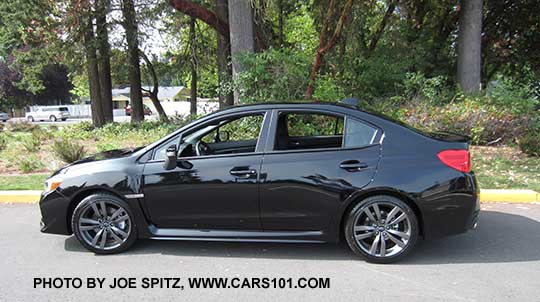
{"points": [[451, 211]]}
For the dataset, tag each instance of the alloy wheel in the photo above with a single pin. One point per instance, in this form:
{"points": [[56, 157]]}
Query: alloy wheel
{"points": [[104, 225], [382, 229]]}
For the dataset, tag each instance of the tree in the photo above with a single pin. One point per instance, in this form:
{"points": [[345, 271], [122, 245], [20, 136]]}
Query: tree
{"points": [[135, 95], [241, 34], [153, 92], [223, 55], [193, 52], [104, 59], [469, 46], [327, 44]]}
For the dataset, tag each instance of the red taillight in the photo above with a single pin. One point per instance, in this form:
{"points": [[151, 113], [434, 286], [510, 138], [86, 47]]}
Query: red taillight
{"points": [[456, 159]]}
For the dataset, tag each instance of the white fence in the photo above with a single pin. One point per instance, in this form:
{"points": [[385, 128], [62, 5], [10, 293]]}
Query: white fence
{"points": [[171, 109]]}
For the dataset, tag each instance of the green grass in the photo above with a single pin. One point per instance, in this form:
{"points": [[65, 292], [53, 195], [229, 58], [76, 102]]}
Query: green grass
{"points": [[505, 168], [23, 182]]}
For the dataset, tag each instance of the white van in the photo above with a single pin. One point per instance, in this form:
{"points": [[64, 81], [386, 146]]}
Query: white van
{"points": [[51, 113]]}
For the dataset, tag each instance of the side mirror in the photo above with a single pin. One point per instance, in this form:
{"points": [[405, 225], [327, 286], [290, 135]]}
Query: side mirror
{"points": [[171, 158]]}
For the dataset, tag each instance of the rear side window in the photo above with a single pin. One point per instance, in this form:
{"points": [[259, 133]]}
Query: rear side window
{"points": [[314, 124], [314, 130], [358, 134], [64, 109]]}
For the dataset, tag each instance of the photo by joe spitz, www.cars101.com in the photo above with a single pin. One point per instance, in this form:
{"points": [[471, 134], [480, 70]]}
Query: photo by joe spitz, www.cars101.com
{"points": [[291, 172]]}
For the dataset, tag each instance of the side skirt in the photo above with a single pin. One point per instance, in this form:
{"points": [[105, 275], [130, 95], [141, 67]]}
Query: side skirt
{"points": [[237, 235]]}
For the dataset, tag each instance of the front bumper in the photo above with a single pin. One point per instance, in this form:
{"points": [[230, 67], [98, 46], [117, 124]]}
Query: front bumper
{"points": [[54, 207]]}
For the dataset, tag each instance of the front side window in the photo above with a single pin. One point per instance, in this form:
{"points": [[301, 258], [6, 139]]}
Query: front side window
{"points": [[226, 136]]}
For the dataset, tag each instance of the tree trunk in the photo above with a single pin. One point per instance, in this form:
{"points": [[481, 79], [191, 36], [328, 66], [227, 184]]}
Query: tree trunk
{"points": [[93, 72], [193, 45], [378, 34], [155, 89], [223, 55], [241, 34], [324, 46], [104, 59], [280, 22], [135, 93], [470, 46]]}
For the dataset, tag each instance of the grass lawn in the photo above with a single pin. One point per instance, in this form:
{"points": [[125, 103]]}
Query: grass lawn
{"points": [[505, 168], [22, 182]]}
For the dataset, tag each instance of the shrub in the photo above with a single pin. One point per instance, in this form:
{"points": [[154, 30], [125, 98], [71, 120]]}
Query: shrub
{"points": [[31, 144], [20, 126], [3, 142], [529, 143], [30, 163], [68, 151]]}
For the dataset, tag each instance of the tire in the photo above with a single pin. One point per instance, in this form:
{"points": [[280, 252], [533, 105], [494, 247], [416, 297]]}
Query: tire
{"points": [[30, 119], [118, 236], [362, 231], [53, 118], [64, 119]]}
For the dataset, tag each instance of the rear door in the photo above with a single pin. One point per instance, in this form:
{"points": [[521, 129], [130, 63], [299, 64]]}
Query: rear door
{"points": [[316, 160]]}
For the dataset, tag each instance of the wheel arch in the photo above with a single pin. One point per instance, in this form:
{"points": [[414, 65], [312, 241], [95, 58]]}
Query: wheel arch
{"points": [[358, 197], [79, 196]]}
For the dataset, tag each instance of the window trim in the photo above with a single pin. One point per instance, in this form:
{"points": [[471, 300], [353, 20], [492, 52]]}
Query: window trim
{"points": [[271, 137]]}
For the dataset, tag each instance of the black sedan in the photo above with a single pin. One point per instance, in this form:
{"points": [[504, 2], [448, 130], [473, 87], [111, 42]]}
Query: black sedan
{"points": [[313, 172]]}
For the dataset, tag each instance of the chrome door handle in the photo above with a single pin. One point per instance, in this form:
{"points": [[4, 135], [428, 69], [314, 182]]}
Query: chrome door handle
{"points": [[353, 165], [243, 172]]}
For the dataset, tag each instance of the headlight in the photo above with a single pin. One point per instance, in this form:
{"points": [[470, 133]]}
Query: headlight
{"points": [[52, 183]]}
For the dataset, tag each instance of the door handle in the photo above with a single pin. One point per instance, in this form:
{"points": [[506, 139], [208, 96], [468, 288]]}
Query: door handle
{"points": [[243, 172], [353, 165]]}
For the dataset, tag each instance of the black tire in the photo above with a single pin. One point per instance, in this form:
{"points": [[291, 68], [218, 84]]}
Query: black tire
{"points": [[87, 204], [357, 214], [30, 119], [64, 119], [53, 118]]}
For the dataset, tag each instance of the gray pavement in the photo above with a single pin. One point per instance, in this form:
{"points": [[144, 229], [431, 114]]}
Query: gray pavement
{"points": [[500, 261]]}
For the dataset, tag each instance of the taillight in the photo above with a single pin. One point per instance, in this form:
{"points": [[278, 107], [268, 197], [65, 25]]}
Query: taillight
{"points": [[456, 159]]}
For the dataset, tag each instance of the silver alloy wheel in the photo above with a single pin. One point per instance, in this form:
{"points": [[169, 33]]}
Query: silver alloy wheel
{"points": [[104, 225], [382, 229]]}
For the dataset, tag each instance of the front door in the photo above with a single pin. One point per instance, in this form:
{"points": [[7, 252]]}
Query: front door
{"points": [[215, 186]]}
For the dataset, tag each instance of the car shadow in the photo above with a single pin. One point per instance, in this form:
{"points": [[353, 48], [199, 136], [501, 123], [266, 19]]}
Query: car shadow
{"points": [[500, 237]]}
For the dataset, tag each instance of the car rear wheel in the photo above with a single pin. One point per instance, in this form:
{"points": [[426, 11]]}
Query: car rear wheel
{"points": [[30, 119], [382, 229], [104, 224], [52, 118]]}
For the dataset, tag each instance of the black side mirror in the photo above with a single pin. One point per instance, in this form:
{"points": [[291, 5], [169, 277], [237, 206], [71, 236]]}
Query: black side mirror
{"points": [[171, 158]]}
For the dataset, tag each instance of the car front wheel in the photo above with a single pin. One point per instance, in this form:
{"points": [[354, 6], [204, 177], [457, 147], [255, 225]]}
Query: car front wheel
{"points": [[30, 119], [104, 224], [382, 229]]}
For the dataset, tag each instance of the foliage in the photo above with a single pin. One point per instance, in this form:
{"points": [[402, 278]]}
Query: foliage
{"points": [[273, 75], [3, 142], [30, 163], [31, 144], [529, 143], [68, 151], [20, 126]]}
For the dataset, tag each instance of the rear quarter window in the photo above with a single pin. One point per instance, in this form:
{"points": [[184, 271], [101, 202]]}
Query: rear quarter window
{"points": [[358, 134]]}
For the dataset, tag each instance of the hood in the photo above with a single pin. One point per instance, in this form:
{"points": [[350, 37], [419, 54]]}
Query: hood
{"points": [[99, 157]]}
